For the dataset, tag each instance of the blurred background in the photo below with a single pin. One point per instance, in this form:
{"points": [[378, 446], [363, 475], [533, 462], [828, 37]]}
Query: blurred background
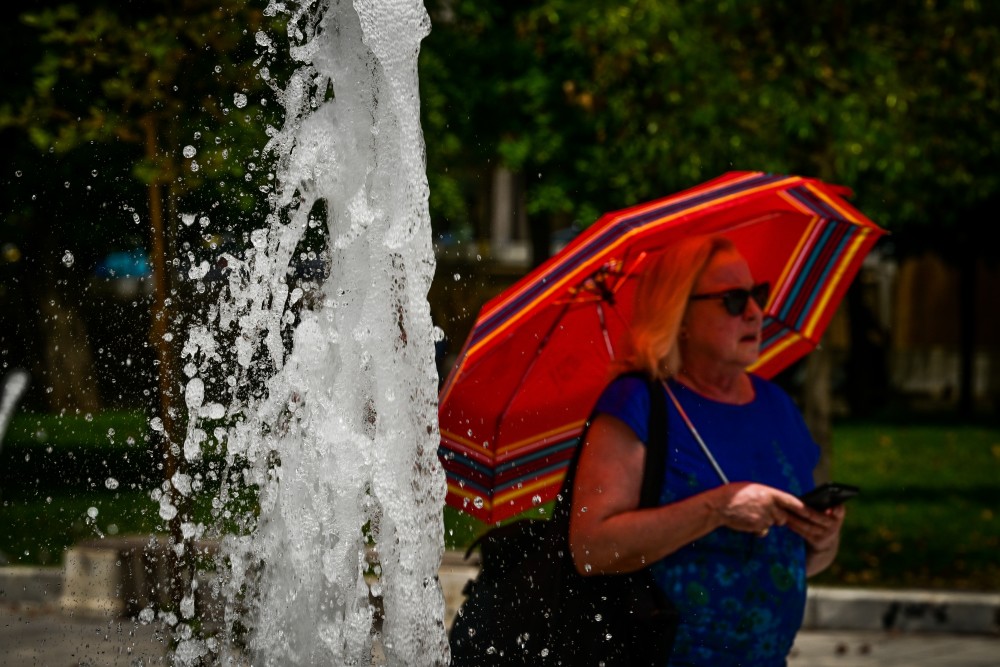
{"points": [[136, 133]]}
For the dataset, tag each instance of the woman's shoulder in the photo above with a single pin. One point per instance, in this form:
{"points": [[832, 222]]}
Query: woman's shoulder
{"points": [[772, 396], [768, 389], [630, 382], [626, 397]]}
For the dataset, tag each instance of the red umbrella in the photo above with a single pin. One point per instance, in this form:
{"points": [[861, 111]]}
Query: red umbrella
{"points": [[514, 405]]}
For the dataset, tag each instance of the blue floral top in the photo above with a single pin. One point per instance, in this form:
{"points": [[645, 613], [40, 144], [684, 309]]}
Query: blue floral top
{"points": [[741, 597]]}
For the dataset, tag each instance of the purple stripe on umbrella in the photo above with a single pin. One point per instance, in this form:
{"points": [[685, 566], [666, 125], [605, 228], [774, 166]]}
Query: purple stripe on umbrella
{"points": [[773, 331], [473, 474], [832, 243], [598, 243], [538, 459], [541, 472], [547, 452]]}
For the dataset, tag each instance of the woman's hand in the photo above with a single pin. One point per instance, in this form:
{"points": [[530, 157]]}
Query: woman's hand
{"points": [[821, 531], [754, 508]]}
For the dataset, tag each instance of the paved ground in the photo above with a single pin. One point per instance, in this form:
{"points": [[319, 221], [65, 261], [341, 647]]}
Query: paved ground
{"points": [[39, 638], [36, 637], [880, 649], [55, 618]]}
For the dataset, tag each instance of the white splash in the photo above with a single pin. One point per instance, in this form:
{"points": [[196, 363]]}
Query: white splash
{"points": [[340, 434]]}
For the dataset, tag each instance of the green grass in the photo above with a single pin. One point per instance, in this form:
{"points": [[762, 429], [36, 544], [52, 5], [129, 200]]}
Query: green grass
{"points": [[37, 530], [928, 513], [76, 429], [927, 516]]}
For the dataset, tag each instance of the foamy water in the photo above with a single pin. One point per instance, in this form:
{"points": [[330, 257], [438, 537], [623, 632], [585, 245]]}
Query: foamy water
{"points": [[338, 429]]}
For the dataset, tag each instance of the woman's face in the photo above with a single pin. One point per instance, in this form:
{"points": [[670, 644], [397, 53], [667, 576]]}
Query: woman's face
{"points": [[710, 335]]}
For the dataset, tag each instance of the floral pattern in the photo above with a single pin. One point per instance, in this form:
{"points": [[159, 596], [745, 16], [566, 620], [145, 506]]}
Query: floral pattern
{"points": [[741, 597]]}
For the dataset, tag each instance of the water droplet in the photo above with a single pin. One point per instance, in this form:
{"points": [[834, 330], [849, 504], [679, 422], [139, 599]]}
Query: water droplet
{"points": [[478, 502], [194, 165], [240, 100], [199, 272], [68, 259], [536, 499], [111, 483], [457, 277], [92, 512], [156, 424], [187, 219], [258, 238], [189, 151]]}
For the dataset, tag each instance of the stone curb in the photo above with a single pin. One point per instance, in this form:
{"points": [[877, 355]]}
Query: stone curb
{"points": [[827, 608], [902, 611]]}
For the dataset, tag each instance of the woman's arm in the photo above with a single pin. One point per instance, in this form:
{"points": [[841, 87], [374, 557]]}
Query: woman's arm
{"points": [[608, 533]]}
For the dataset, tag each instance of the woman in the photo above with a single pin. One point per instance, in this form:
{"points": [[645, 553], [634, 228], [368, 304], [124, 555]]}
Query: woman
{"points": [[732, 556]]}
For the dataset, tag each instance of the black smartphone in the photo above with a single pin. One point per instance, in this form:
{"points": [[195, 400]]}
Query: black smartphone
{"points": [[829, 495]]}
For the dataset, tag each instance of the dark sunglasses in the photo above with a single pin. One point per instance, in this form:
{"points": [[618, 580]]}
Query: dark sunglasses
{"points": [[735, 300]]}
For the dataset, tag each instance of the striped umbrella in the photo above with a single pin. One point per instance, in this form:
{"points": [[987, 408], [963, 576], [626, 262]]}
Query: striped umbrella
{"points": [[514, 405]]}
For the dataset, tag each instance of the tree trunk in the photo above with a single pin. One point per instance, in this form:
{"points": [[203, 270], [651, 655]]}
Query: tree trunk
{"points": [[967, 285], [817, 408], [70, 381], [867, 361], [69, 365], [179, 564]]}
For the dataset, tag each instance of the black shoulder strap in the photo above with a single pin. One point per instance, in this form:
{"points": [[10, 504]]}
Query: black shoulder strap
{"points": [[653, 469], [656, 447]]}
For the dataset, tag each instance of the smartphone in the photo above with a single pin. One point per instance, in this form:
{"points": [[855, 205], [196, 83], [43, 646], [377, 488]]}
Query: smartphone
{"points": [[829, 495]]}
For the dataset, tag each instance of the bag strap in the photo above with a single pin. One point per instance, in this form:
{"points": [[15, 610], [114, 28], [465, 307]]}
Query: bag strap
{"points": [[656, 448], [653, 468], [697, 436]]}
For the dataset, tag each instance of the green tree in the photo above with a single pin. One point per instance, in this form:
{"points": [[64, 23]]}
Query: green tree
{"points": [[177, 93]]}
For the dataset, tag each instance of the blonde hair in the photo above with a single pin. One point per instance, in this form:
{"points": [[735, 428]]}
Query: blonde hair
{"points": [[661, 299]]}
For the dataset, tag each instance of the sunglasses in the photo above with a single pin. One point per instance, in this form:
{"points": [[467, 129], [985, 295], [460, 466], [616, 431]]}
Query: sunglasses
{"points": [[735, 300]]}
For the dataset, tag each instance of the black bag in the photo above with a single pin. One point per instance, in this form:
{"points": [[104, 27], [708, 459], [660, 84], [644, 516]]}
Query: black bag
{"points": [[529, 606]]}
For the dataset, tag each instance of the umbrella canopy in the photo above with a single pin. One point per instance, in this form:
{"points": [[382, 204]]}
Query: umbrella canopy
{"points": [[514, 405]]}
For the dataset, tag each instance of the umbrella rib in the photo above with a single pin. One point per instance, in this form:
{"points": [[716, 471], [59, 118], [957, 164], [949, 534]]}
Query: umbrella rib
{"points": [[604, 331], [527, 371]]}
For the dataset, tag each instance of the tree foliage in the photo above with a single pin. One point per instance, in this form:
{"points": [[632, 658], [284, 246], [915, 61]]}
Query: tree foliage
{"points": [[603, 104]]}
